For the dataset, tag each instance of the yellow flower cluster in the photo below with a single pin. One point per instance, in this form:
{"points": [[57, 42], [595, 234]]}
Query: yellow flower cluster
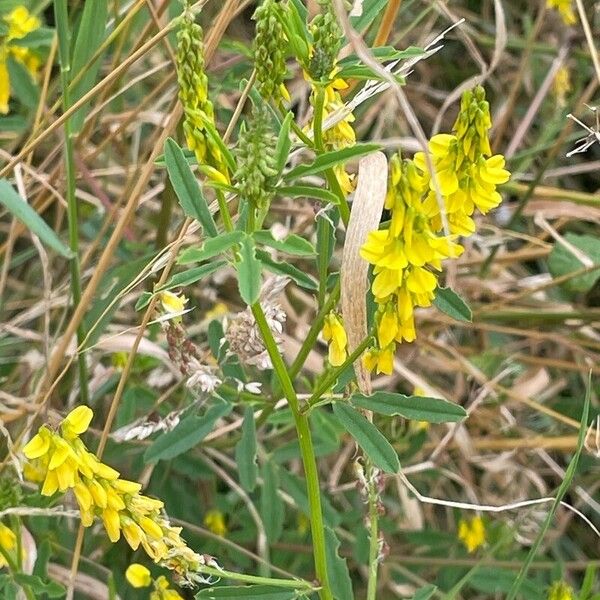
{"points": [[404, 252], [565, 8], [20, 22], [335, 334], [139, 576], [66, 463], [8, 542], [472, 533]]}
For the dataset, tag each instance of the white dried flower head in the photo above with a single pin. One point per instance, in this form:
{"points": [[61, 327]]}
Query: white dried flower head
{"points": [[144, 428], [242, 333], [202, 376]]}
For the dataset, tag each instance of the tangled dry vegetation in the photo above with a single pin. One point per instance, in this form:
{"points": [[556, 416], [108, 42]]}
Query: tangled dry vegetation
{"points": [[337, 391]]}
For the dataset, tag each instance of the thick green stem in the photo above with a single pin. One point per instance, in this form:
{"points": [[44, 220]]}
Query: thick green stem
{"points": [[62, 25], [306, 450]]}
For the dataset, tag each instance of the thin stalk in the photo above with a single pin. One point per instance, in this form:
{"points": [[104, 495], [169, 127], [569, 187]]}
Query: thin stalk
{"points": [[373, 539], [333, 375], [306, 449], [62, 25], [14, 569], [296, 584], [224, 210]]}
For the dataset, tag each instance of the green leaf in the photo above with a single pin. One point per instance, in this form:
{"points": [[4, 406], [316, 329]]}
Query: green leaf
{"points": [[284, 143], [272, 509], [22, 84], [143, 300], [268, 592], [245, 452], [188, 433], [368, 437], [187, 188], [283, 268], [330, 159], [418, 408], [562, 261], [292, 244], [191, 275], [89, 38], [249, 272], [370, 10], [24, 213], [38, 586], [211, 247], [42, 36], [450, 303], [308, 191], [425, 593], [337, 568]]}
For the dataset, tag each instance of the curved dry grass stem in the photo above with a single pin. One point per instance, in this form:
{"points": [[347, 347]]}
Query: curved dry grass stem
{"points": [[366, 212]]}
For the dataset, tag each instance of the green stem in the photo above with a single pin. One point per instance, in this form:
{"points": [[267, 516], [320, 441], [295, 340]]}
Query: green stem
{"points": [[333, 375], [62, 25], [297, 584], [224, 210], [306, 450], [373, 539], [14, 569], [318, 119]]}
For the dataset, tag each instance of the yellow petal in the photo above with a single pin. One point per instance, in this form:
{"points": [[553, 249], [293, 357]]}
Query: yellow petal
{"points": [[39, 443], [78, 420], [112, 524], [138, 576]]}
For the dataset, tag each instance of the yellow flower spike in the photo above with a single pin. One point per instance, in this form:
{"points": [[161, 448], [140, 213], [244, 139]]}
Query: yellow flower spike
{"points": [[214, 520], [138, 576], [77, 421], [472, 533], [335, 334], [39, 445]]}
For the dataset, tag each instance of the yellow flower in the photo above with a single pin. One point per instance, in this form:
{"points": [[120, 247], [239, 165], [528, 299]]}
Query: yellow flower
{"points": [[559, 590], [172, 303], [561, 86], [138, 576], [335, 334], [214, 520], [8, 541], [162, 591], [472, 533], [565, 9], [20, 22]]}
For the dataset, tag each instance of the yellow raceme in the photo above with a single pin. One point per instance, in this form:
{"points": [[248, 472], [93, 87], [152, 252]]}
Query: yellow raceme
{"points": [[66, 463], [408, 252]]}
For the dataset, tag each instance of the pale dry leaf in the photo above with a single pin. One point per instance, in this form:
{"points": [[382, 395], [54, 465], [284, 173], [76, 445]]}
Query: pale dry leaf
{"points": [[366, 212]]}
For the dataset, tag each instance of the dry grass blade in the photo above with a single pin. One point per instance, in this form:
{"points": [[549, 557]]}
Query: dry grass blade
{"points": [[366, 213]]}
